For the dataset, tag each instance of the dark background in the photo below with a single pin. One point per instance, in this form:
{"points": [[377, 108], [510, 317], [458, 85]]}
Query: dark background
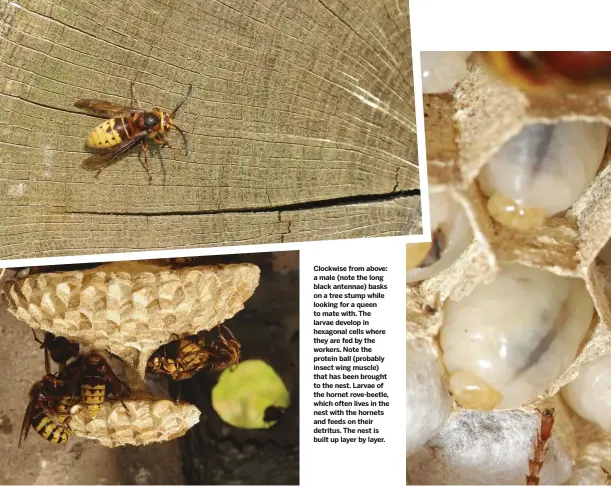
{"points": [[212, 452]]}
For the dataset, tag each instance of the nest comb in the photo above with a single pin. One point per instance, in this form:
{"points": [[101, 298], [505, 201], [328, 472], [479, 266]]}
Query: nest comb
{"points": [[135, 422], [464, 129], [130, 309]]}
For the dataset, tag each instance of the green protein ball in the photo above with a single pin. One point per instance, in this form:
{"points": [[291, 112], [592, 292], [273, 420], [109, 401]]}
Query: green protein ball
{"points": [[244, 392]]}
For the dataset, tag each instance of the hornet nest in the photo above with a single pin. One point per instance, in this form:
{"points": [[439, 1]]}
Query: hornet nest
{"points": [[464, 128], [130, 309]]}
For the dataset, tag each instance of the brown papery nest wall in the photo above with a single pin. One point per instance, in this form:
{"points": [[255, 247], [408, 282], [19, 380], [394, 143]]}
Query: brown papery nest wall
{"points": [[463, 129], [130, 309]]}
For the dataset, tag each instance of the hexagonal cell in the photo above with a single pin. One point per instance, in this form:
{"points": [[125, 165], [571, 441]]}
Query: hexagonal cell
{"points": [[135, 422], [550, 147], [508, 340], [429, 403], [491, 448], [542, 171], [451, 235], [131, 308], [590, 393], [123, 310], [441, 70]]}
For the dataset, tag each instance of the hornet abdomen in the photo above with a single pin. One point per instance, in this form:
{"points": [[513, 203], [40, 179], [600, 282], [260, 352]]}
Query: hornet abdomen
{"points": [[49, 430], [65, 403], [93, 395], [192, 356], [111, 133]]}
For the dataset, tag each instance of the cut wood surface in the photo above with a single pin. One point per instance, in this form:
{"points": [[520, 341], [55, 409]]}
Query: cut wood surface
{"points": [[301, 123]]}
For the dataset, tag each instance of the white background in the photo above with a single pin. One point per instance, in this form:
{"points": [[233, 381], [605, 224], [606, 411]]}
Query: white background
{"points": [[486, 25], [436, 25]]}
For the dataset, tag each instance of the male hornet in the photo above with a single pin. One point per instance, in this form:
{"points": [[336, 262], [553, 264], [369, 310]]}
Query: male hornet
{"points": [[127, 127], [544, 70]]}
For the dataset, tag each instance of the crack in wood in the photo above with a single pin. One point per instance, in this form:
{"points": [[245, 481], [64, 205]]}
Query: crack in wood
{"points": [[329, 203], [301, 124]]}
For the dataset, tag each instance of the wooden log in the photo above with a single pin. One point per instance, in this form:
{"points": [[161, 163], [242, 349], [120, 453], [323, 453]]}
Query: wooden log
{"points": [[293, 104], [29, 233]]}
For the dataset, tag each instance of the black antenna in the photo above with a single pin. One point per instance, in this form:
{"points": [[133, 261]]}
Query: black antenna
{"points": [[183, 101], [184, 138]]}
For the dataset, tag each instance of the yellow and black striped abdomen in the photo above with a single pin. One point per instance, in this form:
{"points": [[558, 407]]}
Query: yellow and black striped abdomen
{"points": [[189, 349], [192, 357], [63, 408], [92, 397], [110, 133], [49, 430]]}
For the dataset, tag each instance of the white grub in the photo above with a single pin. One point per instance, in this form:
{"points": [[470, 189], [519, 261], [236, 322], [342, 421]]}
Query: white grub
{"points": [[486, 448], [590, 393], [542, 171], [451, 235], [428, 401], [509, 340], [442, 70]]}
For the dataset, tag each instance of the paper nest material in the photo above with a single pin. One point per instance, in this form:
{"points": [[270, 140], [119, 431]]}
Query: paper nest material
{"points": [[463, 130], [490, 448], [139, 422], [131, 309]]}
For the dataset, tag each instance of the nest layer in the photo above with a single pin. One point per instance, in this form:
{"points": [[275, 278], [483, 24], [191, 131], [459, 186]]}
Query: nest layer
{"points": [[138, 422], [503, 438], [131, 309], [463, 130]]}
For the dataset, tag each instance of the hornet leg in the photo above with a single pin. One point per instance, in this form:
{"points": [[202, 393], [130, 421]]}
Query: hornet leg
{"points": [[162, 141], [147, 164], [134, 96]]}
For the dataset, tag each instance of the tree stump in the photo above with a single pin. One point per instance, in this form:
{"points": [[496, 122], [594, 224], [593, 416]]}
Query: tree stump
{"points": [[301, 123]]}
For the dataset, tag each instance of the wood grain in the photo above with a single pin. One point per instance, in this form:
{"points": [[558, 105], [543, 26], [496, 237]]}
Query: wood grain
{"points": [[56, 234], [292, 103]]}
